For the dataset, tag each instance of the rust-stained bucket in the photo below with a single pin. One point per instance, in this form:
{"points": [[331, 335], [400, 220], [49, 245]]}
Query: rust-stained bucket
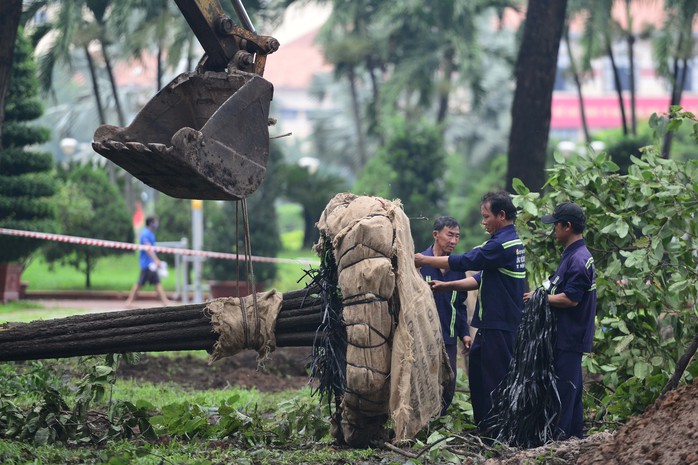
{"points": [[203, 136]]}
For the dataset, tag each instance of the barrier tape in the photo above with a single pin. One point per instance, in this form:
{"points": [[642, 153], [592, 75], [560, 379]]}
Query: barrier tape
{"points": [[155, 248]]}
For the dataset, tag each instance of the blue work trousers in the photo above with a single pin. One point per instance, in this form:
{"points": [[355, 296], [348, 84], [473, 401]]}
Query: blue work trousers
{"points": [[490, 355], [568, 373]]}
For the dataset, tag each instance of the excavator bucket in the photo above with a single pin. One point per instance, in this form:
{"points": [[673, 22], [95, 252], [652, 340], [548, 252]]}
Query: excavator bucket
{"points": [[203, 136]]}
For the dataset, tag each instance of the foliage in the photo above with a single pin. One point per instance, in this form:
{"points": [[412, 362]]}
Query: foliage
{"points": [[622, 149], [641, 230], [174, 217], [107, 218], [26, 181], [221, 230], [465, 207], [412, 170], [312, 191], [51, 419]]}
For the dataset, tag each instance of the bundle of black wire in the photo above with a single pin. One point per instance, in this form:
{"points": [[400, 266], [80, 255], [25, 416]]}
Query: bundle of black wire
{"points": [[526, 406], [328, 365]]}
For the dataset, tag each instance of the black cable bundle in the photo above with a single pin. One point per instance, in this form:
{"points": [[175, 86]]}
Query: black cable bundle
{"points": [[330, 346], [526, 406]]}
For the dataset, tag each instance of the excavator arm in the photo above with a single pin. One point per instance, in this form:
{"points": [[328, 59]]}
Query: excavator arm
{"points": [[205, 134]]}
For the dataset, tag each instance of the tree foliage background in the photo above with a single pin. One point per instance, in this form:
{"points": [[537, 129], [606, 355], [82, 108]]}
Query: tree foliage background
{"points": [[26, 179], [641, 230], [91, 207]]}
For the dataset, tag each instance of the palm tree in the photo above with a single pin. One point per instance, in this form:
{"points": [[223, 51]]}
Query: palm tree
{"points": [[600, 31], [673, 48], [356, 52], [78, 25], [435, 48]]}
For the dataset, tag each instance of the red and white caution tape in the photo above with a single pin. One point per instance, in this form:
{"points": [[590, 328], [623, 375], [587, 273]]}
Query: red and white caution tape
{"points": [[157, 249]]}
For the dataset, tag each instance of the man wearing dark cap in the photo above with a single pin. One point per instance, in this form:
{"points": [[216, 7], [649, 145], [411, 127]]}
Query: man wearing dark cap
{"points": [[572, 296]]}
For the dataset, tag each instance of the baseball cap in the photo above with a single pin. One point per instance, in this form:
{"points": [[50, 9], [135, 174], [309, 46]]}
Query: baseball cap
{"points": [[566, 211]]}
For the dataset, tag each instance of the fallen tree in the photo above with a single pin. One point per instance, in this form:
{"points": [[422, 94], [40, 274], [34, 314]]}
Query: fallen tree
{"points": [[184, 327]]}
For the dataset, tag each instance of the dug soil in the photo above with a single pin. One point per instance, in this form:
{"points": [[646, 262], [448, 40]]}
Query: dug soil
{"points": [[285, 369], [665, 434]]}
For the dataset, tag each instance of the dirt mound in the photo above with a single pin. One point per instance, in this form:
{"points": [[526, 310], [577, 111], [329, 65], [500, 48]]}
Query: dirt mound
{"points": [[666, 433], [285, 369]]}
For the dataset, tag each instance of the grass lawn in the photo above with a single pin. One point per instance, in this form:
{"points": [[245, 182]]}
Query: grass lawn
{"points": [[118, 273]]}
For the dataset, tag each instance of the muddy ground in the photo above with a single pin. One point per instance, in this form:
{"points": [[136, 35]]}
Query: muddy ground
{"points": [[666, 434], [285, 369]]}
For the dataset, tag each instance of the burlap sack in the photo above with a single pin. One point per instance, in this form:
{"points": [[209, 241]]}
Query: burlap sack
{"points": [[241, 327], [369, 235]]}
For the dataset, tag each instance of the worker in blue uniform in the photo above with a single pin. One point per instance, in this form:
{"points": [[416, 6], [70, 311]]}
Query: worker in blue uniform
{"points": [[449, 304], [572, 297], [501, 266]]}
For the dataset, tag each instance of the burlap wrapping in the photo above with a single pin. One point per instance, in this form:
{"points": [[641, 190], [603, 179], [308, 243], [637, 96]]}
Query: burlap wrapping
{"points": [[390, 369], [240, 327]]}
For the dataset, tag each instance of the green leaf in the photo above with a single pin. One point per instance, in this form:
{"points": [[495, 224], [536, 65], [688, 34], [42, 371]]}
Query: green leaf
{"points": [[102, 370], [519, 186], [678, 286], [622, 229], [530, 207], [41, 437], [641, 370], [624, 343], [623, 327]]}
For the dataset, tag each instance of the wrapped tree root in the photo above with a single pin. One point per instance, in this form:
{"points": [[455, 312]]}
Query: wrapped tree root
{"points": [[389, 355]]}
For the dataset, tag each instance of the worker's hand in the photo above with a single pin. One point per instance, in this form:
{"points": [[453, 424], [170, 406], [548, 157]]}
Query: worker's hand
{"points": [[527, 296], [418, 260], [437, 285], [467, 343]]}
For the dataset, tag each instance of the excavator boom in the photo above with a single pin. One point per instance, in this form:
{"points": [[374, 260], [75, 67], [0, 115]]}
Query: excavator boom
{"points": [[205, 134]]}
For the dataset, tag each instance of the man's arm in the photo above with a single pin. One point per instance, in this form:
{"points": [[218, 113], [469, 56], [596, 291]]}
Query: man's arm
{"points": [[465, 284], [151, 253], [561, 301], [421, 260], [555, 300]]}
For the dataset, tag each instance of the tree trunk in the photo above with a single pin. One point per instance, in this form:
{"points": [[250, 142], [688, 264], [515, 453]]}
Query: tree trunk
{"points": [[160, 68], [631, 59], [679, 82], [88, 270], [183, 327], [578, 85], [535, 79], [619, 89], [114, 89], [310, 232], [449, 68], [363, 157], [10, 15], [100, 108], [681, 366]]}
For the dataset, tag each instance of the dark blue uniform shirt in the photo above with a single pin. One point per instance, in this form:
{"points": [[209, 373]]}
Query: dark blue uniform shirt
{"points": [[502, 264], [450, 304], [576, 277]]}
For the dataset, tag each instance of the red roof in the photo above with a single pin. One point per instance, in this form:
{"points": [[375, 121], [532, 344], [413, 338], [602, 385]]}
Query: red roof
{"points": [[295, 63]]}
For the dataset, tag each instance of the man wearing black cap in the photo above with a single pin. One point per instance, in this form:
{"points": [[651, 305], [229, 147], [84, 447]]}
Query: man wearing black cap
{"points": [[572, 296]]}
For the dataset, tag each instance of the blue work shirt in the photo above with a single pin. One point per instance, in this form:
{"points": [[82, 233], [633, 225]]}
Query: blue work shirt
{"points": [[502, 264], [147, 238], [576, 277], [449, 304]]}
